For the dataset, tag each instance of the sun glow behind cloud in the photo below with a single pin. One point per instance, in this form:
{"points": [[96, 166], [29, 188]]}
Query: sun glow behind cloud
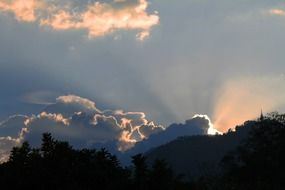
{"points": [[211, 129], [98, 18]]}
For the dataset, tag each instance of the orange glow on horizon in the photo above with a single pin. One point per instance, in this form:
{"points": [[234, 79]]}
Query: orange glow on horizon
{"points": [[242, 99]]}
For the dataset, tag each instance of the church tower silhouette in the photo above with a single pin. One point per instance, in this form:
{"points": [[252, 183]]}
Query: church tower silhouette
{"points": [[261, 116]]}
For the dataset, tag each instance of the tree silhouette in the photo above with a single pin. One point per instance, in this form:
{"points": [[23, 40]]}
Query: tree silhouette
{"points": [[56, 165], [48, 144], [140, 172], [161, 176], [259, 162], [20, 155]]}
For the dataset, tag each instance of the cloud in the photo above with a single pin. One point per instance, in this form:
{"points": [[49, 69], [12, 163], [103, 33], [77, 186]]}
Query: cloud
{"points": [[211, 129], [6, 145], [279, 12], [39, 97], [78, 121], [24, 10], [12, 133], [198, 125], [71, 99], [85, 128], [58, 118], [134, 125], [102, 18], [98, 18]]}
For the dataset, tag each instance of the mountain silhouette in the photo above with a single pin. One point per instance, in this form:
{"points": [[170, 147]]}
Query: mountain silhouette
{"points": [[199, 154]]}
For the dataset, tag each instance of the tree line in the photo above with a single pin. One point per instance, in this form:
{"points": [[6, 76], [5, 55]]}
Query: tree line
{"points": [[257, 163], [57, 165]]}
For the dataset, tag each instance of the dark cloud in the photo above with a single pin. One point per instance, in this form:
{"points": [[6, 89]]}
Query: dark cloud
{"points": [[196, 126], [78, 120]]}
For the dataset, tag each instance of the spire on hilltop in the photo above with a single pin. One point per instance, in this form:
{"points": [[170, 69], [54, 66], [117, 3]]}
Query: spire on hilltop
{"points": [[261, 116]]}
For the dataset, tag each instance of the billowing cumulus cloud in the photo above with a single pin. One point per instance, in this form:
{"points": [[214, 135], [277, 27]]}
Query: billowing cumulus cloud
{"points": [[211, 130], [58, 118], [134, 126], [12, 134], [197, 125], [98, 18], [24, 10], [86, 126]]}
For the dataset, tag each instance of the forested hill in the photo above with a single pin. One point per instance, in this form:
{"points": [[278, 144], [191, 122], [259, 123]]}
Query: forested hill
{"points": [[200, 154], [250, 158]]}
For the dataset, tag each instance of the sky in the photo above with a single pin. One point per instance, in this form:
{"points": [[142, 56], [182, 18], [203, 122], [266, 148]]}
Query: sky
{"points": [[167, 59]]}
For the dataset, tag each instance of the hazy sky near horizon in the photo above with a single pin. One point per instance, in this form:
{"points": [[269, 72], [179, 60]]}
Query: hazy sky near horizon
{"points": [[171, 59]]}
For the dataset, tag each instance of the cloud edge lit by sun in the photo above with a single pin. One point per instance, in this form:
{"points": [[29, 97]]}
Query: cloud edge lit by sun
{"points": [[98, 18]]}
